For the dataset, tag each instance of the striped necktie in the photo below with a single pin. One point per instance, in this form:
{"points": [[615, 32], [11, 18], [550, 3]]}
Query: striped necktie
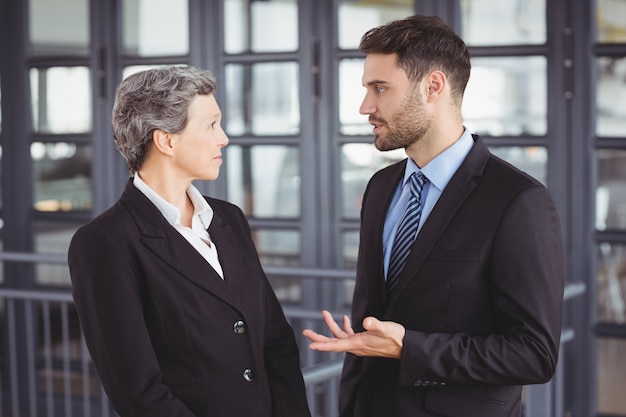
{"points": [[405, 235]]}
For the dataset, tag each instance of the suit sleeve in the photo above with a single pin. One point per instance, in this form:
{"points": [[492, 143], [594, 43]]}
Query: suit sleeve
{"points": [[526, 281], [109, 299], [281, 353]]}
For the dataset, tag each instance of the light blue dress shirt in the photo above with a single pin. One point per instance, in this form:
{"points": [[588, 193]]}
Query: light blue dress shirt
{"points": [[438, 171]]}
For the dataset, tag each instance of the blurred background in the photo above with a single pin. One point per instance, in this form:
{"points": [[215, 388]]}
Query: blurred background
{"points": [[547, 93]]}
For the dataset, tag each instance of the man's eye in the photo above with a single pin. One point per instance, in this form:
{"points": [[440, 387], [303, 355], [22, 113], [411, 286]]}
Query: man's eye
{"points": [[380, 89]]}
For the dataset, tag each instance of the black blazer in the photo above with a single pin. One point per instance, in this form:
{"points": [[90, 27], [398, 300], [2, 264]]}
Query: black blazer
{"points": [[167, 335], [480, 296]]}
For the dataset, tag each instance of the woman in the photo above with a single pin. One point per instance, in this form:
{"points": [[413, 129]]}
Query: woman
{"points": [[177, 313]]}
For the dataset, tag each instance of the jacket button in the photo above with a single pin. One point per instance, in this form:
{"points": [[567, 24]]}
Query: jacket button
{"points": [[418, 383], [239, 327], [248, 375]]}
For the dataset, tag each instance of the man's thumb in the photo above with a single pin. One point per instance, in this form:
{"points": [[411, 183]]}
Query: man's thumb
{"points": [[371, 323]]}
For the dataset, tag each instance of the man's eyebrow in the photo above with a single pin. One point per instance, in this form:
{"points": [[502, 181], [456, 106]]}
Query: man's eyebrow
{"points": [[375, 82]]}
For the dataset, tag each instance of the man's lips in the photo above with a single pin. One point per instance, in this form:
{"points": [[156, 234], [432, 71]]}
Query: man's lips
{"points": [[376, 123]]}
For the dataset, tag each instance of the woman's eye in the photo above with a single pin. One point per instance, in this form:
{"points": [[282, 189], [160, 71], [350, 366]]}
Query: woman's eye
{"points": [[213, 125]]}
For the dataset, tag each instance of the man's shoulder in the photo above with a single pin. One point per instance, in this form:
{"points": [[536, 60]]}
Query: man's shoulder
{"points": [[502, 171]]}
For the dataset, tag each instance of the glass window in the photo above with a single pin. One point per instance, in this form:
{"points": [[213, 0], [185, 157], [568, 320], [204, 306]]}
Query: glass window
{"points": [[504, 96], [507, 96], [610, 21], [611, 97], [260, 26], [611, 277], [531, 159], [359, 161], [62, 176], [357, 17], [53, 238], [611, 189], [132, 69], [288, 289], [0, 167], [50, 30], [503, 22], [262, 99], [1, 192], [155, 27], [350, 248], [351, 94], [277, 247], [610, 377], [61, 99], [264, 180]]}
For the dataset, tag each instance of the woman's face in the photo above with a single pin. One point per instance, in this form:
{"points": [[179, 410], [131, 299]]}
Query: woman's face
{"points": [[198, 153]]}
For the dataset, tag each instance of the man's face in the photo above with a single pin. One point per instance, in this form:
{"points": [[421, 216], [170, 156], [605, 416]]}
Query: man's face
{"points": [[393, 104]]}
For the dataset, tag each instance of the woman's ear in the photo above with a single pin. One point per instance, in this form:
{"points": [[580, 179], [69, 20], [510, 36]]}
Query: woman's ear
{"points": [[162, 141]]}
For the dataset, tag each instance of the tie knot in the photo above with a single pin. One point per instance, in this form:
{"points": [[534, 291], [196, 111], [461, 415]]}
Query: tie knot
{"points": [[417, 181]]}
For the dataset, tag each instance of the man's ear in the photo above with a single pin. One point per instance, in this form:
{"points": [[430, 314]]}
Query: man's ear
{"points": [[435, 83], [162, 141]]}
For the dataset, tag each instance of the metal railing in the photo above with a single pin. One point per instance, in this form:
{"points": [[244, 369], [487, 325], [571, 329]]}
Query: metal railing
{"points": [[41, 335], [46, 370]]}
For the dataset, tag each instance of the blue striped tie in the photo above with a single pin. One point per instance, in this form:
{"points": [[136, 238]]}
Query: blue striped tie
{"points": [[405, 235]]}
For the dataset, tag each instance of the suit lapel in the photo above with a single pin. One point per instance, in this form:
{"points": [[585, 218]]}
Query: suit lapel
{"points": [[383, 194], [451, 199], [158, 236]]}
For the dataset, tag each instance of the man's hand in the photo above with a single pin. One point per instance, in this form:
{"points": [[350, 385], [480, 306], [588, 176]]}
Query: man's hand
{"points": [[380, 338]]}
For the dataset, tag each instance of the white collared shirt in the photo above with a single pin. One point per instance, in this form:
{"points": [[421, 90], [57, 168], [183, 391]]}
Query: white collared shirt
{"points": [[197, 235]]}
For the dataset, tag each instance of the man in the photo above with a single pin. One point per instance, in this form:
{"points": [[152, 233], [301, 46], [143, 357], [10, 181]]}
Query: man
{"points": [[473, 312]]}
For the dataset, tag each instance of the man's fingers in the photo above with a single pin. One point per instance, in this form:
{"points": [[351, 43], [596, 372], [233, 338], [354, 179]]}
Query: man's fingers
{"points": [[332, 345], [314, 336], [347, 326], [332, 325]]}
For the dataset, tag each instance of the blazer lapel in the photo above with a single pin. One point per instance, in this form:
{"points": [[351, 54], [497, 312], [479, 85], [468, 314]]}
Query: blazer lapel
{"points": [[229, 254], [460, 185], [158, 236]]}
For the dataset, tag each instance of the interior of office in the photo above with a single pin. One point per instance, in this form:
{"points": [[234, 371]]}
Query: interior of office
{"points": [[547, 93]]}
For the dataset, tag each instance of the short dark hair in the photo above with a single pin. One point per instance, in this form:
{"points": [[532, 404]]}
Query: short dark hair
{"points": [[423, 44], [157, 98]]}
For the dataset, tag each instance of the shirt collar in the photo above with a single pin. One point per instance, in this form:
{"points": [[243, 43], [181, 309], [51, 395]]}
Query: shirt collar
{"points": [[201, 207], [443, 166]]}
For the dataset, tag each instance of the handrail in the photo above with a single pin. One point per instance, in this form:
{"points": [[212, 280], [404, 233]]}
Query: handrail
{"points": [[52, 258], [37, 295], [322, 372], [574, 289], [306, 272]]}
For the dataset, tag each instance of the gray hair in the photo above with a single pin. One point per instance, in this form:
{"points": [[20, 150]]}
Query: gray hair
{"points": [[154, 99]]}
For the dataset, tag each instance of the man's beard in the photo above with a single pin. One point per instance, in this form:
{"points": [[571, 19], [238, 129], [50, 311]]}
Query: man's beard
{"points": [[408, 125]]}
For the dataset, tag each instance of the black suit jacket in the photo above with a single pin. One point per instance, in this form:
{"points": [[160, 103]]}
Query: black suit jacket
{"points": [[167, 335], [480, 296]]}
